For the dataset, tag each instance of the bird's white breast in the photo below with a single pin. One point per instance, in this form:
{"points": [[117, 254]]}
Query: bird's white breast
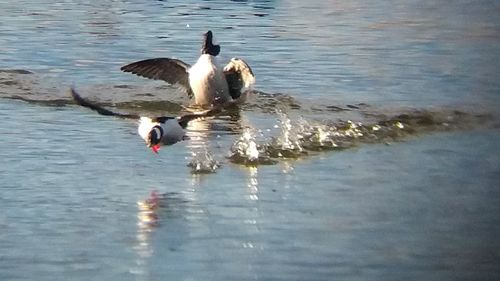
{"points": [[207, 81], [145, 126]]}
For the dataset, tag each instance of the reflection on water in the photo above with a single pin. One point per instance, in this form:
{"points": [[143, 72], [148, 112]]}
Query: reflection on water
{"points": [[202, 161], [147, 220], [253, 183], [287, 167], [147, 214], [154, 214]]}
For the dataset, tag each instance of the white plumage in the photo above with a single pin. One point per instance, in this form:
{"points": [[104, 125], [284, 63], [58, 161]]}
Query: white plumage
{"points": [[171, 133], [207, 81]]}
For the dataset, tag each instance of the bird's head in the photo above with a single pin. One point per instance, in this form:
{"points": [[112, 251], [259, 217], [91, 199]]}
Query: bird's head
{"points": [[154, 137], [208, 46]]}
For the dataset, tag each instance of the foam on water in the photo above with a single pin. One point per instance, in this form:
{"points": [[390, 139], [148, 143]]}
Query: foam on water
{"points": [[203, 162], [299, 137], [246, 150]]}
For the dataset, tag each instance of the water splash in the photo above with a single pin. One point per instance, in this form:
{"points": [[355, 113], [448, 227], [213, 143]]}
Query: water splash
{"points": [[299, 137], [288, 143], [296, 138], [203, 163], [245, 150]]}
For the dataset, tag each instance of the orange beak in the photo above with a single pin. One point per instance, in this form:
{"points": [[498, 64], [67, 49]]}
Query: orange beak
{"points": [[155, 148]]}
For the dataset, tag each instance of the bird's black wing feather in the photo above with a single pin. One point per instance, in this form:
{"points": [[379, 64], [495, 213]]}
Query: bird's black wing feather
{"points": [[184, 119], [83, 102], [162, 119], [173, 71]]}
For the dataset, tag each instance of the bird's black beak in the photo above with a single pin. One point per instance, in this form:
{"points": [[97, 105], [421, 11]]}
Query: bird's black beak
{"points": [[208, 46]]}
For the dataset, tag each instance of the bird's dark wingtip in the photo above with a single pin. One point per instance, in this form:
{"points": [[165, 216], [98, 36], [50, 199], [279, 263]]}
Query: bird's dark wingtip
{"points": [[101, 110], [127, 67], [76, 97]]}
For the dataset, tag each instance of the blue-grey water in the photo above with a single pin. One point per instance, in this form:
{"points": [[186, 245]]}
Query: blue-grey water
{"points": [[411, 197]]}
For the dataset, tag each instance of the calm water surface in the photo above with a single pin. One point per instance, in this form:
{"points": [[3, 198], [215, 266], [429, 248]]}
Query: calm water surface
{"points": [[73, 184]]}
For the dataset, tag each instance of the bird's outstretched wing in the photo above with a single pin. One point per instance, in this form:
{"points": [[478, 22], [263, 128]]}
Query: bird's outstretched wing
{"points": [[238, 76], [173, 71], [101, 110], [183, 120]]}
